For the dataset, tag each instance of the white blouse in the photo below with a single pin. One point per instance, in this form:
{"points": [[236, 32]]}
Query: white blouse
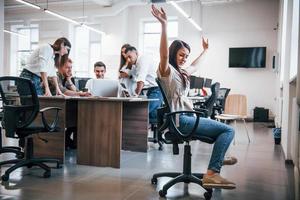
{"points": [[176, 93], [42, 60]]}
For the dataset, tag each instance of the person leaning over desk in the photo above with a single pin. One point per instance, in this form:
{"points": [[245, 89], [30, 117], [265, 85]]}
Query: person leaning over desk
{"points": [[145, 74], [126, 72], [65, 81], [99, 70], [175, 79], [42, 63]]}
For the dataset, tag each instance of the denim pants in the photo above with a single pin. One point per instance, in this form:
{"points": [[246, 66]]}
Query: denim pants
{"points": [[35, 79], [222, 134], [154, 93]]}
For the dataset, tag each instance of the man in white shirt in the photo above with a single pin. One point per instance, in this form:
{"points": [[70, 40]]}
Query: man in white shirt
{"points": [[42, 63], [145, 76], [99, 70]]}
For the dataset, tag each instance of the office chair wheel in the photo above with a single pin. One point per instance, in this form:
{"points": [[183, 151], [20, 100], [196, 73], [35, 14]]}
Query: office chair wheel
{"points": [[207, 195], [162, 193], [154, 181], [5, 177], [19, 156], [47, 174]]}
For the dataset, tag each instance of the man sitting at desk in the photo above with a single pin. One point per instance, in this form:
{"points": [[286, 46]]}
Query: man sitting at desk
{"points": [[99, 70], [64, 76]]}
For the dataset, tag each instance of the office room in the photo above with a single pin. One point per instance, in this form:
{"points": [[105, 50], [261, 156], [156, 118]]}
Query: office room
{"points": [[149, 99]]}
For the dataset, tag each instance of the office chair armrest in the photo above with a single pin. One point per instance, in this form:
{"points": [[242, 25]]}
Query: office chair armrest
{"points": [[203, 111], [50, 127], [187, 136]]}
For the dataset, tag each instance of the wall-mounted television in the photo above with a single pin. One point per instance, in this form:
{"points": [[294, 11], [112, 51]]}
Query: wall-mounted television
{"points": [[247, 57]]}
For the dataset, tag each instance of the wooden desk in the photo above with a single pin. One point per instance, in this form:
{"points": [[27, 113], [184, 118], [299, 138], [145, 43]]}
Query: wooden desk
{"points": [[104, 127], [107, 124]]}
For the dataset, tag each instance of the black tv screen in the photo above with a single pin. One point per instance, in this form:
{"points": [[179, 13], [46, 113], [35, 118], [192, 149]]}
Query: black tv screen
{"points": [[247, 57]]}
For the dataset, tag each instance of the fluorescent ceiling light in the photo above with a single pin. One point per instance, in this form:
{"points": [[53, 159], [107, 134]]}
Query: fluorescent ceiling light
{"points": [[73, 21], [179, 9], [61, 17], [29, 4], [185, 15], [92, 29], [15, 33]]}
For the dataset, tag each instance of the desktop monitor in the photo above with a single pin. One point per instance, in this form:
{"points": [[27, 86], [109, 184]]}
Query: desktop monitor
{"points": [[196, 82], [105, 88], [199, 82], [207, 82]]}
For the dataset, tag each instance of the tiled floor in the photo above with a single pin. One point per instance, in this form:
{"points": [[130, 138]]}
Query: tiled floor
{"points": [[260, 173]]}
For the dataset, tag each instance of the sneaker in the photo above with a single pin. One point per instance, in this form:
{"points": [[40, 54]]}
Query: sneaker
{"points": [[216, 181], [230, 161]]}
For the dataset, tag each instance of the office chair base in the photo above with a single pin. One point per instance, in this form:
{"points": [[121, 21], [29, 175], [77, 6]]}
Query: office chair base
{"points": [[29, 163], [15, 150], [179, 178], [186, 176]]}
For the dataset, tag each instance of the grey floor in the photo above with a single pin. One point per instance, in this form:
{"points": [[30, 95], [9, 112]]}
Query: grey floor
{"points": [[260, 173]]}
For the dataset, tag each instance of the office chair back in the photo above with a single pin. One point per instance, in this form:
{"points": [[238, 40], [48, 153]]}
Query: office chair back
{"points": [[223, 93], [165, 101], [236, 104], [209, 103], [20, 103]]}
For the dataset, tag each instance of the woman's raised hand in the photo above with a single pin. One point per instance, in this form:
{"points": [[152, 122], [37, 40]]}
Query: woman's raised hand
{"points": [[204, 44], [159, 14]]}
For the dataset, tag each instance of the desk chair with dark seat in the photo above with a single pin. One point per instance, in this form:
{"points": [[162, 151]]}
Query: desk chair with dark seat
{"points": [[18, 117], [219, 107], [172, 135], [210, 102]]}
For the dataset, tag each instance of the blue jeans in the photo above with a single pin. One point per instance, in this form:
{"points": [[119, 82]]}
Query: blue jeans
{"points": [[154, 93], [35, 79], [220, 132]]}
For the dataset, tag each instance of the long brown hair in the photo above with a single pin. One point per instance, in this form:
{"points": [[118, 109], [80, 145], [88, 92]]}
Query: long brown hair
{"points": [[173, 49], [61, 60], [122, 59]]}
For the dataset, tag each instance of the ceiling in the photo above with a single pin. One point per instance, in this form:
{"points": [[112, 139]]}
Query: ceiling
{"points": [[12, 4], [44, 3]]}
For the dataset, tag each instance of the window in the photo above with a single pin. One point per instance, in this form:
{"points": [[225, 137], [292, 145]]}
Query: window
{"points": [[23, 46], [150, 40], [87, 51]]}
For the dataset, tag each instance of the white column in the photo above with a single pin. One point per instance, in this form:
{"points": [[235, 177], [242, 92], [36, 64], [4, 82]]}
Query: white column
{"points": [[1, 38]]}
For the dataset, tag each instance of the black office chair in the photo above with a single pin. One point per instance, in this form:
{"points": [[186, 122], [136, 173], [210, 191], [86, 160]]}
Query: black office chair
{"points": [[9, 149], [210, 102], [219, 107], [80, 82], [20, 109], [172, 135]]}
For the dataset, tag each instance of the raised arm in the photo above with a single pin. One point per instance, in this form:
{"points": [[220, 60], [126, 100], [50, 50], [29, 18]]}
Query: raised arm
{"points": [[161, 16], [193, 66]]}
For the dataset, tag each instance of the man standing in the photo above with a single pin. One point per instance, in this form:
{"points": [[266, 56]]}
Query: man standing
{"points": [[145, 76], [99, 70]]}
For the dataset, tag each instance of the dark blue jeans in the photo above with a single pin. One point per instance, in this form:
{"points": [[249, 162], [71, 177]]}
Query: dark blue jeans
{"points": [[35, 79], [154, 93], [222, 134]]}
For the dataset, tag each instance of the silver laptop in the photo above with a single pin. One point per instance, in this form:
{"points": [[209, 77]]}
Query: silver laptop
{"points": [[105, 88]]}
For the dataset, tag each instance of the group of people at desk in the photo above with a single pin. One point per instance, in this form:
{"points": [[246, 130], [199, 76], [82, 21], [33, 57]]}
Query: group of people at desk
{"points": [[171, 72]]}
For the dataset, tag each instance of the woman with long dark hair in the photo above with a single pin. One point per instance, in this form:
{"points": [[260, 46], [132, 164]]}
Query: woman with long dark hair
{"points": [[43, 63], [126, 71], [175, 82]]}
